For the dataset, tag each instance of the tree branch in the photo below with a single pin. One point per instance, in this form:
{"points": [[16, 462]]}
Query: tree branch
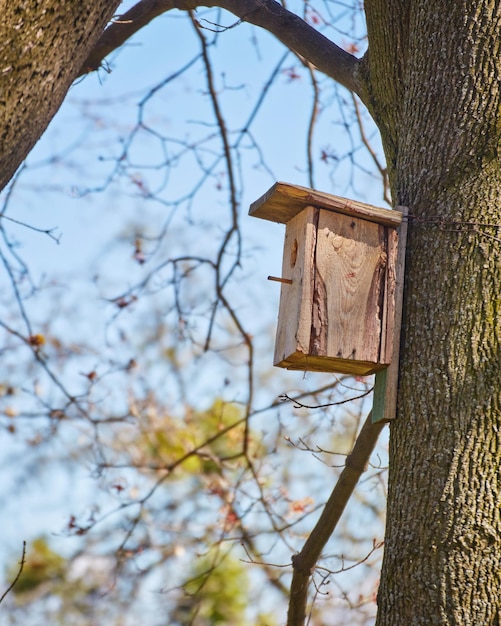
{"points": [[304, 562], [21, 565], [289, 28], [124, 27]]}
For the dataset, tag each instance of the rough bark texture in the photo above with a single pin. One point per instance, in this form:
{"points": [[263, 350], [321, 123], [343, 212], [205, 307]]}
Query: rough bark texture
{"points": [[42, 47], [433, 84]]}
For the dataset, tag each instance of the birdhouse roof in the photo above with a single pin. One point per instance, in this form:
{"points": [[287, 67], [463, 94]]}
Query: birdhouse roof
{"points": [[283, 201]]}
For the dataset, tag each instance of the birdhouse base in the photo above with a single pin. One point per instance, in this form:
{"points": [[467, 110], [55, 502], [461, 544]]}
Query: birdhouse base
{"points": [[307, 362]]}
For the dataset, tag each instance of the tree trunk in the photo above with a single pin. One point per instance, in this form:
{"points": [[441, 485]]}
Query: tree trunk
{"points": [[43, 47], [433, 84]]}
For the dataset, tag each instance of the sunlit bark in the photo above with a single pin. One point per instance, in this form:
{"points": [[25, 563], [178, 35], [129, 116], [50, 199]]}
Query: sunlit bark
{"points": [[43, 45], [435, 85]]}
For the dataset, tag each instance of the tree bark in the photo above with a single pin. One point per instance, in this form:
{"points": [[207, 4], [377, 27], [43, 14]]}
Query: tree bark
{"points": [[42, 47], [433, 85]]}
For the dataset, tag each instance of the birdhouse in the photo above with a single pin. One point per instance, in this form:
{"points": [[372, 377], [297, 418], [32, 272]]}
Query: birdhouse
{"points": [[339, 281]]}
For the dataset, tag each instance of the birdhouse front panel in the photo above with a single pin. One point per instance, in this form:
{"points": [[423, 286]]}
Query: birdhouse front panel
{"points": [[332, 315]]}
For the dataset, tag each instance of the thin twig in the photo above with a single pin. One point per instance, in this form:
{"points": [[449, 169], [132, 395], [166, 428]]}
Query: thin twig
{"points": [[299, 405], [21, 566], [381, 168]]}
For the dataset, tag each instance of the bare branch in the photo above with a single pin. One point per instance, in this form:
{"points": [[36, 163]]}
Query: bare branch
{"points": [[289, 28], [123, 28], [304, 562], [21, 565], [300, 37], [299, 405], [377, 162]]}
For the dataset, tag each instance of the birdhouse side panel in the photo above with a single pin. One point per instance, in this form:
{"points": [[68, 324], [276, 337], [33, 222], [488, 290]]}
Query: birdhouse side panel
{"points": [[294, 318], [390, 293], [349, 288]]}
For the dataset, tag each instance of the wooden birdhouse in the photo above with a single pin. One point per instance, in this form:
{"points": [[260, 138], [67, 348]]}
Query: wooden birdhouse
{"points": [[339, 281]]}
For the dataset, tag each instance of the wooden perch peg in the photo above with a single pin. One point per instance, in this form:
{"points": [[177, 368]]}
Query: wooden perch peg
{"points": [[285, 281]]}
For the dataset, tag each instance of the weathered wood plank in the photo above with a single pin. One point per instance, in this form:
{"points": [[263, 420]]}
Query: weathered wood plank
{"points": [[331, 316], [350, 269], [283, 201], [388, 321], [386, 384], [294, 319]]}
